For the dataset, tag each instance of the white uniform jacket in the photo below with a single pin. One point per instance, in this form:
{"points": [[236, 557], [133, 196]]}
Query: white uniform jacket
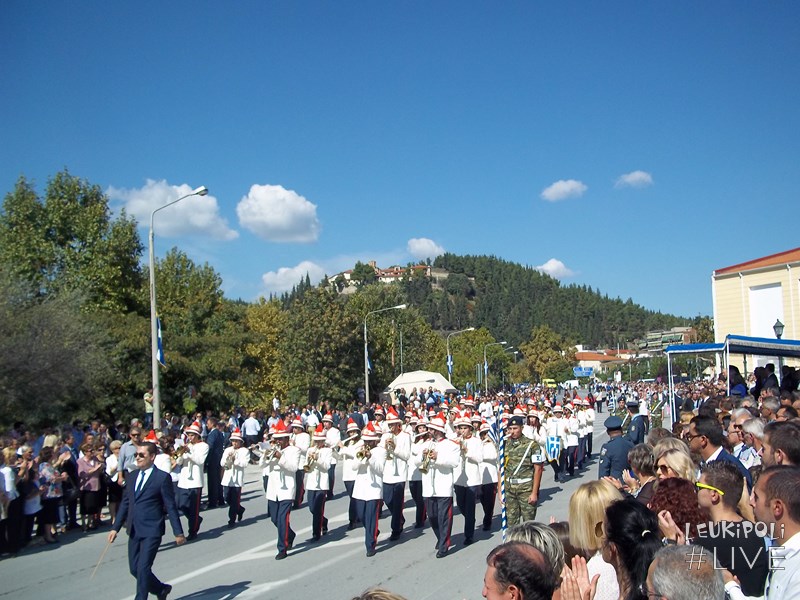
{"points": [[317, 477], [281, 483], [369, 479], [332, 437], [438, 481], [489, 463], [469, 470], [234, 476], [396, 469], [192, 463], [301, 441], [349, 462]]}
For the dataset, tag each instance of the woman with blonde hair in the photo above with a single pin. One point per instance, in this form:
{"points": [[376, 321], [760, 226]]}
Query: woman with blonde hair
{"points": [[587, 508], [675, 463]]}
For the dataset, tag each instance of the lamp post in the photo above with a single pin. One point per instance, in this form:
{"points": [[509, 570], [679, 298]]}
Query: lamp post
{"points": [[449, 359], [486, 365], [366, 350], [778, 329], [201, 191]]}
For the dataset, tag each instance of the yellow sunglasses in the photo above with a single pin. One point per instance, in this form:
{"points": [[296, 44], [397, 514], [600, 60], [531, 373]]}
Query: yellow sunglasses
{"points": [[705, 486]]}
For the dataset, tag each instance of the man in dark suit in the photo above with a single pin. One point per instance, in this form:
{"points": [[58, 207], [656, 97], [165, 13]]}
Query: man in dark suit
{"points": [[148, 495], [705, 438], [216, 446]]}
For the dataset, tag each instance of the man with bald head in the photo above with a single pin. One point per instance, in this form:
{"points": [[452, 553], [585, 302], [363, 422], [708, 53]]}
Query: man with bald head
{"points": [[518, 570]]}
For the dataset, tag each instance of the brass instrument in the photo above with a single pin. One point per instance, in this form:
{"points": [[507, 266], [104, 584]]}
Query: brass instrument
{"points": [[180, 451], [463, 443], [426, 459], [311, 460], [364, 453], [271, 454], [229, 458], [390, 446]]}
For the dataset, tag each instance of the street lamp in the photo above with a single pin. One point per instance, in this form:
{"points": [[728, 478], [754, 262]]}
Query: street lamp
{"points": [[486, 364], [778, 329], [201, 191], [449, 359], [366, 350]]}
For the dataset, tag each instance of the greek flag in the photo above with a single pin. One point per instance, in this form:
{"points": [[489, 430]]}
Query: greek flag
{"points": [[485, 368], [160, 353], [369, 362], [450, 364]]}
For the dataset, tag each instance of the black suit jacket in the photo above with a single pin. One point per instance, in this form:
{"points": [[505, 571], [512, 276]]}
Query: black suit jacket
{"points": [[726, 456], [143, 516], [216, 447]]}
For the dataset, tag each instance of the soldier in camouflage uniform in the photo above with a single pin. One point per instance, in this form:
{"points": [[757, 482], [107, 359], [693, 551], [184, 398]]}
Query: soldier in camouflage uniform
{"points": [[523, 474]]}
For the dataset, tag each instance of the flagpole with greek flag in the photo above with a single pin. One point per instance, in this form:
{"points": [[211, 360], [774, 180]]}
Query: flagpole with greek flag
{"points": [[160, 353], [501, 457]]}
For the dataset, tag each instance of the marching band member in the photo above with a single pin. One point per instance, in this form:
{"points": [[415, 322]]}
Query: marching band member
{"points": [[572, 438], [438, 460], [318, 461], [556, 431], [332, 438], [421, 438], [590, 415], [347, 451], [264, 448], [488, 475], [190, 481], [283, 462], [369, 485], [234, 460], [302, 441], [380, 420], [468, 475], [580, 415], [397, 444]]}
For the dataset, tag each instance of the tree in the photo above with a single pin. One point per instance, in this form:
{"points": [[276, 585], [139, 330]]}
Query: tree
{"points": [[68, 242], [264, 377], [363, 274], [546, 353]]}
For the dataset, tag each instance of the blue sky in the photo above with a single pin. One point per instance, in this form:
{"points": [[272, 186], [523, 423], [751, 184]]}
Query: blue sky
{"points": [[630, 146]]}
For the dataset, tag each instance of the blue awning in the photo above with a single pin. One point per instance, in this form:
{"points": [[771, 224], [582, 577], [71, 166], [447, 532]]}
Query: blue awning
{"points": [[694, 348]]}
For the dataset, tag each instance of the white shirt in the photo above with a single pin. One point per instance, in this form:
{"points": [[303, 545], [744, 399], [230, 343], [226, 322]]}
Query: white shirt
{"points": [[281, 482], [317, 477], [369, 478], [783, 583], [468, 472], [192, 476], [396, 469], [438, 481], [489, 462], [234, 475], [251, 426]]}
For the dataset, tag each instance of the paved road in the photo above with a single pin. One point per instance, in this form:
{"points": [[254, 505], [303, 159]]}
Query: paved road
{"points": [[239, 563]]}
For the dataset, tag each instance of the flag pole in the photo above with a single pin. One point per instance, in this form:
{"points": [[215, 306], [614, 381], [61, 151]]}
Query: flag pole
{"points": [[502, 459]]}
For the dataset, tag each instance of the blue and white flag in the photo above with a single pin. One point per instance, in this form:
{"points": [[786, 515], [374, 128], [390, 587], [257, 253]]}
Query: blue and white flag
{"points": [[485, 368], [450, 364], [369, 362], [160, 353]]}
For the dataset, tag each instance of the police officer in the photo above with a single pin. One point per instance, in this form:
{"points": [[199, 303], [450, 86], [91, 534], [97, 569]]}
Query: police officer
{"points": [[638, 427], [523, 474], [614, 453]]}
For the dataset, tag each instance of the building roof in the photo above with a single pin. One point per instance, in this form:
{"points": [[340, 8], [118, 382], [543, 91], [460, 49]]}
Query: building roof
{"points": [[781, 258], [587, 356]]}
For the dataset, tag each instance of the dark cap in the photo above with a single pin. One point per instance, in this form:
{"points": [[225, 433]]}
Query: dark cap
{"points": [[632, 403], [613, 422], [516, 420]]}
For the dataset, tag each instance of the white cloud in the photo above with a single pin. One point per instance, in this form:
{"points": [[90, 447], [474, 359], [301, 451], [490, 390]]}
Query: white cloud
{"points": [[563, 189], [636, 179], [422, 248], [197, 215], [276, 214], [555, 268], [284, 278]]}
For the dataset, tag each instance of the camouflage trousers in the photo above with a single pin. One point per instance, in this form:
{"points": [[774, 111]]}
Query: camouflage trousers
{"points": [[517, 507]]}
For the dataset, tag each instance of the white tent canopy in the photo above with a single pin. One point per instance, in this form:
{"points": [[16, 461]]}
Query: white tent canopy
{"points": [[421, 379]]}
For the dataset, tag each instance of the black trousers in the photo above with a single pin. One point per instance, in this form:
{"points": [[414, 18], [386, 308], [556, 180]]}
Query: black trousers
{"points": [[11, 527], [369, 511], [352, 510], [234, 500], [141, 555], [415, 487], [393, 496], [440, 514], [331, 480], [214, 479], [316, 504], [298, 496], [188, 502], [488, 497], [279, 513], [466, 498]]}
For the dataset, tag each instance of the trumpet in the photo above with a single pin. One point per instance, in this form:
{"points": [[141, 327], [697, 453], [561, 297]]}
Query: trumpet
{"points": [[463, 443], [426, 458], [229, 458], [311, 460], [270, 454], [180, 451], [390, 446], [364, 453]]}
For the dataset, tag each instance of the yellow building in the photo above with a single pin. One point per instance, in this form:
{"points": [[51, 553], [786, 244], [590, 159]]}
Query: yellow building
{"points": [[750, 297]]}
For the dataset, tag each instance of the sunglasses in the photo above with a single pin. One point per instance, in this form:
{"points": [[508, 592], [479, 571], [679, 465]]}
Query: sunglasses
{"points": [[705, 486], [689, 437], [665, 469], [141, 455]]}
